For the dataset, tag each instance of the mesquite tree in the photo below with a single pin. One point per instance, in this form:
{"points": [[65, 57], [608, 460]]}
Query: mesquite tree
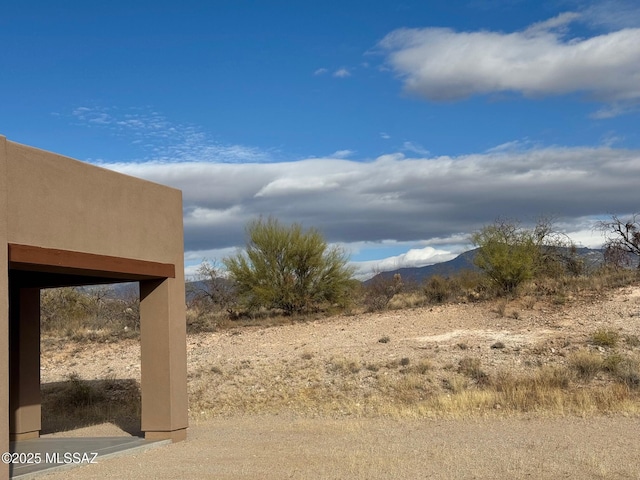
{"points": [[288, 268], [622, 239]]}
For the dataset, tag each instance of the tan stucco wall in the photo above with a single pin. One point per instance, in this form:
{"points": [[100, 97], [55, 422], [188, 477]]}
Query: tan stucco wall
{"points": [[58, 202], [4, 312]]}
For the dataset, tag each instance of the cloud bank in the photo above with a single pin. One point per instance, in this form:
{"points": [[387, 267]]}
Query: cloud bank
{"points": [[398, 198], [441, 64]]}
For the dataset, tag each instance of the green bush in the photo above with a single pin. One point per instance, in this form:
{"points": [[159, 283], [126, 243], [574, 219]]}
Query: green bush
{"points": [[510, 255], [507, 254], [289, 269]]}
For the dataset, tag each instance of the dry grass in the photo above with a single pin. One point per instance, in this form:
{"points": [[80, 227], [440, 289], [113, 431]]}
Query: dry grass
{"points": [[586, 363], [416, 387], [313, 385], [605, 338]]}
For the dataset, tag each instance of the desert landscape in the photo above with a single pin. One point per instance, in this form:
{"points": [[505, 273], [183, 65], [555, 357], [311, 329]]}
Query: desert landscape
{"points": [[518, 388], [407, 237]]}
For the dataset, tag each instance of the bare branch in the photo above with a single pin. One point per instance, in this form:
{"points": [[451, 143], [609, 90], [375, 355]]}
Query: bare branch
{"points": [[622, 239]]}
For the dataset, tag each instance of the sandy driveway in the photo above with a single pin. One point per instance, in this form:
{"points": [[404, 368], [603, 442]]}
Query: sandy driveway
{"points": [[275, 447]]}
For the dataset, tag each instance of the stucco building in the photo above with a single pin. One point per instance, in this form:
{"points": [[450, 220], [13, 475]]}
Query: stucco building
{"points": [[62, 223]]}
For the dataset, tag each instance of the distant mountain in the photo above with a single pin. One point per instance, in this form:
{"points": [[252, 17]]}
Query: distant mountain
{"points": [[592, 258], [464, 261]]}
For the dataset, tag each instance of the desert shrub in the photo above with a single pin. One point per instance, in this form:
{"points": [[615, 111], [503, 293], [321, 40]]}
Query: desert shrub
{"points": [[623, 368], [439, 289], [380, 290], [90, 313], [422, 366], [605, 338], [203, 320], [614, 278], [552, 377], [586, 364], [501, 308], [80, 393], [76, 392], [507, 254], [211, 290], [542, 380], [342, 365], [62, 309], [627, 371], [289, 269], [510, 255], [473, 285], [455, 383], [632, 340], [611, 362], [470, 366]]}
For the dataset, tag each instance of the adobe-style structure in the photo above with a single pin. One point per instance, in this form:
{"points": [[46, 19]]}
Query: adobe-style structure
{"points": [[63, 223]]}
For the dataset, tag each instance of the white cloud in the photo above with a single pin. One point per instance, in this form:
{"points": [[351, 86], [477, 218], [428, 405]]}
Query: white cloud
{"points": [[385, 136], [393, 197], [415, 147], [613, 14], [342, 73], [609, 139], [284, 187], [415, 257], [164, 141], [442, 64], [342, 154], [320, 71], [558, 23], [512, 146], [615, 109]]}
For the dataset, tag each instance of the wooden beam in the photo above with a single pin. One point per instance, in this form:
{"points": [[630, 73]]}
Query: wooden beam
{"points": [[51, 260]]}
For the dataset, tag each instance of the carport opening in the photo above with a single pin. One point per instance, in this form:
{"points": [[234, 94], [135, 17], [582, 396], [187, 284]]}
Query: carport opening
{"points": [[83, 399], [84, 378]]}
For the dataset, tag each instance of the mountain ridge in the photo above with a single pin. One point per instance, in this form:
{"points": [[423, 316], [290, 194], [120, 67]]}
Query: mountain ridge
{"points": [[465, 261]]}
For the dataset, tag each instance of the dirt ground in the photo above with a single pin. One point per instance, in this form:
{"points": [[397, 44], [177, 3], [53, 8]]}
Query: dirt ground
{"points": [[250, 419], [277, 447]]}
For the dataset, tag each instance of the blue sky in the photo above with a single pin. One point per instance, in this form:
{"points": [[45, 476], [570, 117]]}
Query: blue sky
{"points": [[396, 128]]}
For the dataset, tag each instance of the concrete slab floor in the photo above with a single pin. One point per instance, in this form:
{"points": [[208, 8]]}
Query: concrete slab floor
{"points": [[38, 456]]}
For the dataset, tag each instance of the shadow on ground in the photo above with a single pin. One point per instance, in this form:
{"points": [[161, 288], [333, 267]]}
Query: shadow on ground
{"points": [[77, 403]]}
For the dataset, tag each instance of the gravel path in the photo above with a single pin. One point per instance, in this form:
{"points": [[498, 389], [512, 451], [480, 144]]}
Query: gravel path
{"points": [[276, 447]]}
